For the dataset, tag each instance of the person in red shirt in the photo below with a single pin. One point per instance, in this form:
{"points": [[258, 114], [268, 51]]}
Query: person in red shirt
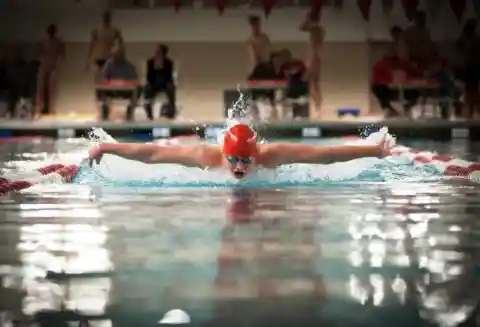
{"points": [[383, 77]]}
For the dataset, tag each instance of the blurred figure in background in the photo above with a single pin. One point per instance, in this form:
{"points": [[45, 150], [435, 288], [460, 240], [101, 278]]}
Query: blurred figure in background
{"points": [[398, 47], [21, 80], [316, 39], [439, 69], [417, 38], [51, 53], [105, 39], [118, 68], [277, 61], [259, 46], [468, 47], [3, 81], [297, 76], [383, 78], [160, 70]]}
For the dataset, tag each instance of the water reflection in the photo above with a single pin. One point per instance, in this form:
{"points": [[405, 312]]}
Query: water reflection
{"points": [[243, 256], [51, 254]]}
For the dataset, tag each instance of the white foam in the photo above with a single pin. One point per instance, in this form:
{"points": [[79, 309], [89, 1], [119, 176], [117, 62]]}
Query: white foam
{"points": [[395, 167], [17, 176], [119, 169], [474, 176], [52, 178], [175, 317]]}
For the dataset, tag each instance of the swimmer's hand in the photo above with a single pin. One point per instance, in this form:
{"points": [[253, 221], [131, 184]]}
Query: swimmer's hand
{"points": [[384, 148], [150, 153], [94, 154]]}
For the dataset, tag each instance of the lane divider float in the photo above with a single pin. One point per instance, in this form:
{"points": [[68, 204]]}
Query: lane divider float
{"points": [[51, 174], [58, 173], [447, 165]]}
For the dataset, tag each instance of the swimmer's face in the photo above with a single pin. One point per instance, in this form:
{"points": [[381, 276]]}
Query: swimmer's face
{"points": [[240, 166]]}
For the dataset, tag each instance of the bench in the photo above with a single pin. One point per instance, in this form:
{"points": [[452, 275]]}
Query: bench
{"points": [[117, 89], [429, 91]]}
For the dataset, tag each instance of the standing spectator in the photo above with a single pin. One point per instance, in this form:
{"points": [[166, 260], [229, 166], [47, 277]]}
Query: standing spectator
{"points": [[160, 78], [417, 38], [398, 47], [259, 50], [52, 51], [105, 39], [468, 46], [259, 46], [316, 39]]}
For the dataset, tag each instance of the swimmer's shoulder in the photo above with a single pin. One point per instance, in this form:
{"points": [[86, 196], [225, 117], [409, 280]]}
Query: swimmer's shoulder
{"points": [[268, 155], [209, 155]]}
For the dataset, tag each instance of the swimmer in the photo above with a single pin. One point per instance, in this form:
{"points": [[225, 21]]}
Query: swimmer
{"points": [[240, 153]]}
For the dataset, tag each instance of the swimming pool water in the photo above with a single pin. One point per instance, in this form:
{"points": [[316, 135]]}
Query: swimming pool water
{"points": [[379, 251]]}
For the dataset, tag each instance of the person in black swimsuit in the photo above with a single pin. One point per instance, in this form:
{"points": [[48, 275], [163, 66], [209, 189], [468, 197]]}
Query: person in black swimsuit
{"points": [[468, 46], [160, 78]]}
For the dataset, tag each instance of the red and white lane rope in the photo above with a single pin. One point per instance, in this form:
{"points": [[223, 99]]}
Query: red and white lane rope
{"points": [[51, 174], [447, 165], [21, 175], [58, 173]]}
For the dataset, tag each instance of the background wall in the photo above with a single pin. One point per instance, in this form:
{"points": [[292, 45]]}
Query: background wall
{"points": [[210, 50], [27, 18]]}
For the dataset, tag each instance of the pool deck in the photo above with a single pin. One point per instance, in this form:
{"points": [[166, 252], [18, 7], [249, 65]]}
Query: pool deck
{"points": [[64, 128]]}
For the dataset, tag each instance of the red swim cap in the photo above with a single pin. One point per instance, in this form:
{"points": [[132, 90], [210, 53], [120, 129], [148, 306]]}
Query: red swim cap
{"points": [[240, 141]]}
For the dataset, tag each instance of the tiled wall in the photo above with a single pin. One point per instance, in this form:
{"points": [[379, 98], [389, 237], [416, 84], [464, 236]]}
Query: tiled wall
{"points": [[207, 68]]}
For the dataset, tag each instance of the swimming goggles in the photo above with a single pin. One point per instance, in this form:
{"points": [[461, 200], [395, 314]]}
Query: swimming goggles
{"points": [[243, 160]]}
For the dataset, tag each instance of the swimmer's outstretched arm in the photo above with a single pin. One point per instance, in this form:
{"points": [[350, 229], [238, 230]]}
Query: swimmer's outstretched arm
{"points": [[286, 153], [148, 153]]}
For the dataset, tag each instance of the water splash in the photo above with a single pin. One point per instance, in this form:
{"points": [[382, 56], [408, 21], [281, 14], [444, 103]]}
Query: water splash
{"points": [[241, 111], [98, 136], [115, 171]]}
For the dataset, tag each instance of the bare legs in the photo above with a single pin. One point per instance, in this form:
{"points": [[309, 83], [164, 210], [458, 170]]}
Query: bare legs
{"points": [[46, 93], [314, 86]]}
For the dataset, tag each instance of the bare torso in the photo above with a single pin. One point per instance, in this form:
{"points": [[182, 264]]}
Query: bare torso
{"points": [[261, 46], [316, 37], [314, 56], [51, 50], [417, 41], [106, 39]]}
